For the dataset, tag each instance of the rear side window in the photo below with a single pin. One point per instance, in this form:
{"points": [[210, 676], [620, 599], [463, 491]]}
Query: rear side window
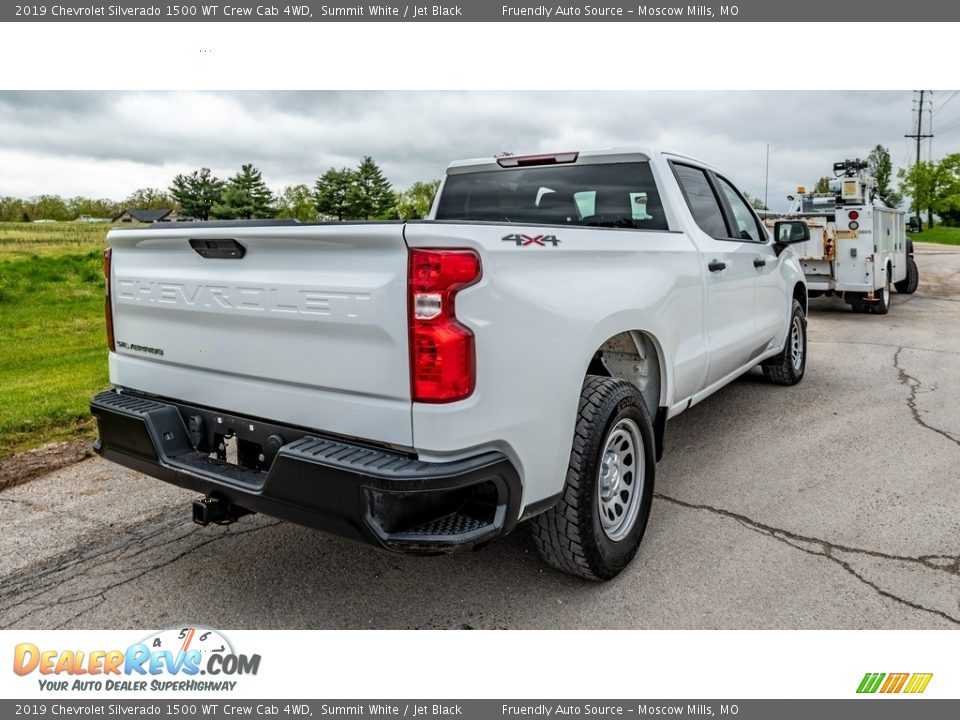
{"points": [[617, 195], [702, 201]]}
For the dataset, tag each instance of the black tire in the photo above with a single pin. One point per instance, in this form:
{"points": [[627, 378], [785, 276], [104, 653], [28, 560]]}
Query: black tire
{"points": [[788, 368], [881, 306], [909, 284], [914, 276], [571, 536]]}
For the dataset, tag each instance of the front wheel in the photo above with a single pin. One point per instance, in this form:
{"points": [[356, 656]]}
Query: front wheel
{"points": [[595, 528], [788, 367], [909, 284]]}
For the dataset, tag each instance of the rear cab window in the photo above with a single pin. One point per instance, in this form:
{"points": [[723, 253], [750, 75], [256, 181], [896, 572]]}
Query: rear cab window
{"points": [[614, 195]]}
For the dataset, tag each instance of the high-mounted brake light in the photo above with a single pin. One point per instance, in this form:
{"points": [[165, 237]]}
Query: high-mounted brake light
{"points": [[442, 354], [527, 160], [107, 302]]}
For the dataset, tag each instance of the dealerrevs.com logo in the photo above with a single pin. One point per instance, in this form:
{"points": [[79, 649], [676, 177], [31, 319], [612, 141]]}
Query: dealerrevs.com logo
{"points": [[169, 660]]}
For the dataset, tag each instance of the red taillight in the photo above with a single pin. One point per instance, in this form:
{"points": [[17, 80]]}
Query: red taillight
{"points": [[853, 214], [107, 304], [442, 355]]}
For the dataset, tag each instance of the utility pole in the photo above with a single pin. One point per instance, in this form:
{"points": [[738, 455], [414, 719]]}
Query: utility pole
{"points": [[919, 136], [766, 180]]}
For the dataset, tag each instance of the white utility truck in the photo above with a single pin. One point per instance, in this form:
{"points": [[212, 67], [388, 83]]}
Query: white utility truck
{"points": [[426, 386], [858, 247]]}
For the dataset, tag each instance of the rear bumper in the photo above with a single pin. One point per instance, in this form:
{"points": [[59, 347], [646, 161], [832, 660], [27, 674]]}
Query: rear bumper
{"points": [[371, 495]]}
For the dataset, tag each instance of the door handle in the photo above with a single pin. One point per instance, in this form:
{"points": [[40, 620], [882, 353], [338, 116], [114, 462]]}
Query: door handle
{"points": [[716, 266], [759, 262]]}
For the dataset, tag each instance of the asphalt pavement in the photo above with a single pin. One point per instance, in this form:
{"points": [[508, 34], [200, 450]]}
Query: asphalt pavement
{"points": [[831, 504]]}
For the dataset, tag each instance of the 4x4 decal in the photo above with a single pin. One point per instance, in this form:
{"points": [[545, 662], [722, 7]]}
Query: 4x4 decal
{"points": [[525, 240]]}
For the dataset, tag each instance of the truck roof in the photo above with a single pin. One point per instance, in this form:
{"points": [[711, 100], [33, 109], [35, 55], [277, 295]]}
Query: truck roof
{"points": [[581, 157]]}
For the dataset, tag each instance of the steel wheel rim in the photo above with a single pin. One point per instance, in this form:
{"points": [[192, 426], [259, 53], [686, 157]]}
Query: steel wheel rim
{"points": [[620, 479], [886, 293], [796, 342]]}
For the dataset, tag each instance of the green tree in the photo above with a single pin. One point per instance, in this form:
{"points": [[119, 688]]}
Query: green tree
{"points": [[14, 209], [245, 196], [921, 182], [197, 193], [947, 202], [823, 185], [881, 167], [94, 207], [49, 207], [415, 202], [296, 201], [330, 193], [370, 195], [149, 199]]}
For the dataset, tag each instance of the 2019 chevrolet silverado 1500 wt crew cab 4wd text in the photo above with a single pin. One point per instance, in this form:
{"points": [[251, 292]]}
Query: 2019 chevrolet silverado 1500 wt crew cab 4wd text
{"points": [[425, 386]]}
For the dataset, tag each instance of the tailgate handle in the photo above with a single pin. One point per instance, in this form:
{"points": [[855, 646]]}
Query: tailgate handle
{"points": [[219, 249]]}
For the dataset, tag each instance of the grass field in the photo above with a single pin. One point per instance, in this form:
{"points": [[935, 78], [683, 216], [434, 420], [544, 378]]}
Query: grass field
{"points": [[939, 234], [53, 351], [53, 354]]}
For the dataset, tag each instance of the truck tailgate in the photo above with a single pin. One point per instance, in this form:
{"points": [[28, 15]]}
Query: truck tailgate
{"points": [[308, 327]]}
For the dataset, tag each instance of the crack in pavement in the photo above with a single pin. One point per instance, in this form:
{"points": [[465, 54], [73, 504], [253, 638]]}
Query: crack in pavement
{"points": [[101, 597], [13, 583], [914, 385], [51, 578], [827, 550]]}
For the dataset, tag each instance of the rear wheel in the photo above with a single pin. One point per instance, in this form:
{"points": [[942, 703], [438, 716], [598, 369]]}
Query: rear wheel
{"points": [[857, 302], [596, 527], [788, 367], [882, 304]]}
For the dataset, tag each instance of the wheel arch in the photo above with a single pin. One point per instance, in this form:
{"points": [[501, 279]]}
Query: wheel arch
{"points": [[637, 356], [800, 295]]}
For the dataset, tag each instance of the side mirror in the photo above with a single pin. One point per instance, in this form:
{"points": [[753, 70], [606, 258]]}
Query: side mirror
{"points": [[788, 232]]}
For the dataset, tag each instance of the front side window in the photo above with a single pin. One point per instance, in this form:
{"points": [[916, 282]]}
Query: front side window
{"points": [[614, 195], [747, 228], [702, 201]]}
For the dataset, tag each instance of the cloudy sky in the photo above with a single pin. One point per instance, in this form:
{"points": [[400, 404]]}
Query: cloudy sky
{"points": [[106, 144]]}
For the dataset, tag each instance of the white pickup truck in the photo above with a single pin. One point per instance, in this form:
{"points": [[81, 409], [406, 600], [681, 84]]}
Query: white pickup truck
{"points": [[425, 386]]}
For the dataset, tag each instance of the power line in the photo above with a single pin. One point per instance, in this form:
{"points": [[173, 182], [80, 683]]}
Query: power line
{"points": [[949, 129], [949, 125], [946, 102]]}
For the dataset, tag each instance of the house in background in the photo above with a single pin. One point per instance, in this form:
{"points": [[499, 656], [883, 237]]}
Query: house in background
{"points": [[146, 216]]}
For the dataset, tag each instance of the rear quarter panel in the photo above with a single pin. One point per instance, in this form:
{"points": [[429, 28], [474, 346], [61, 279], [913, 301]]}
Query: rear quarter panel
{"points": [[538, 315]]}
